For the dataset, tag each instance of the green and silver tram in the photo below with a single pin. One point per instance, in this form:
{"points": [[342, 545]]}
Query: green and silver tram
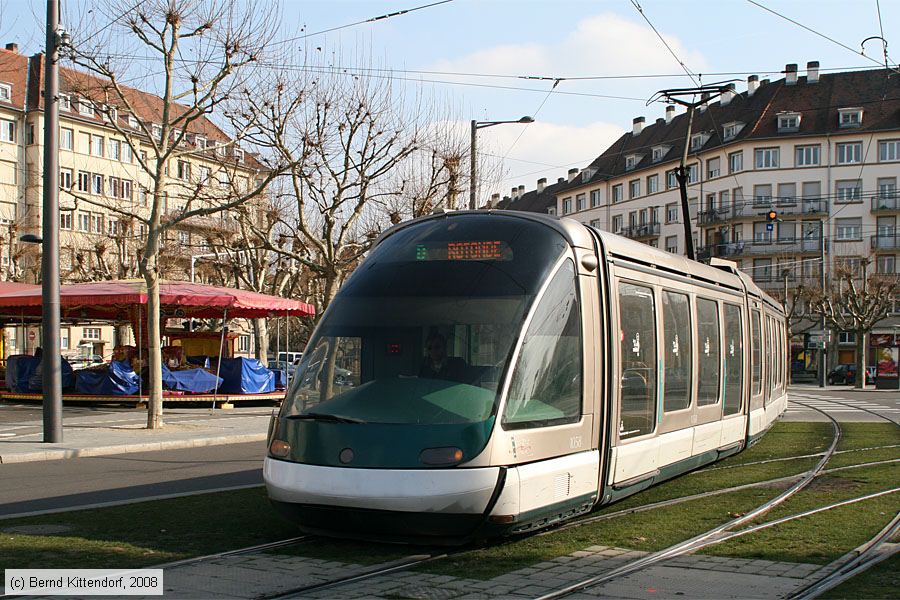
{"points": [[483, 373]]}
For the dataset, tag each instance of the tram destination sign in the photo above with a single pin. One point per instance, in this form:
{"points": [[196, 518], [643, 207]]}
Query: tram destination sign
{"points": [[492, 250]]}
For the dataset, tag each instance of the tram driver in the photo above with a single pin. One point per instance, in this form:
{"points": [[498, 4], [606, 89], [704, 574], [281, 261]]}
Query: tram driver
{"points": [[437, 365]]}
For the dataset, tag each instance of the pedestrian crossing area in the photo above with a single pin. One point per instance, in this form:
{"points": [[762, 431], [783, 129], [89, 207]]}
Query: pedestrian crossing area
{"points": [[848, 409]]}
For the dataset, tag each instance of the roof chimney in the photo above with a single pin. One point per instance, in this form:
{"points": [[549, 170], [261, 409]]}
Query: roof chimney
{"points": [[727, 95], [514, 193], [705, 101], [573, 173], [812, 71], [764, 82], [495, 200], [790, 74], [542, 183], [521, 190], [12, 47], [637, 125], [752, 84], [670, 113], [561, 180]]}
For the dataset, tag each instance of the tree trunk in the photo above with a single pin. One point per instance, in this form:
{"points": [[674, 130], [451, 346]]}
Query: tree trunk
{"points": [[261, 340], [790, 360], [860, 360], [154, 352]]}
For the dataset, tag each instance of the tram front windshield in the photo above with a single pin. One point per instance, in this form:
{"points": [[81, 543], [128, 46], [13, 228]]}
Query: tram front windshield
{"points": [[424, 329]]}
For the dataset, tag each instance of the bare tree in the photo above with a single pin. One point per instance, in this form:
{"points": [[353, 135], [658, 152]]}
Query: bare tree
{"points": [[199, 52], [856, 302]]}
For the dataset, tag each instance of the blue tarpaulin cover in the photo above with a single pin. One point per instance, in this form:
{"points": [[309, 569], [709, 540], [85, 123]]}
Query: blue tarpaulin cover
{"points": [[19, 369], [196, 381], [280, 378], [117, 380], [36, 382], [245, 376]]}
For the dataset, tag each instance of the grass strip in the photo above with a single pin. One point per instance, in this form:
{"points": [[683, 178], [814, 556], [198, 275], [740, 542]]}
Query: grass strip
{"points": [[649, 531], [866, 435]]}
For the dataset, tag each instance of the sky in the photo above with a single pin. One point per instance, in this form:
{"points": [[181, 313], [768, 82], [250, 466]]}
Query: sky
{"points": [[498, 43]]}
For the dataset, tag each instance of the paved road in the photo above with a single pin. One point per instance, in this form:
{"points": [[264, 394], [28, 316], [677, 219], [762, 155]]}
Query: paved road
{"points": [[843, 403], [61, 484]]}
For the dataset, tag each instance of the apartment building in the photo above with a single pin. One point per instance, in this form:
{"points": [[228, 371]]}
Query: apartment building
{"points": [[101, 185], [820, 149]]}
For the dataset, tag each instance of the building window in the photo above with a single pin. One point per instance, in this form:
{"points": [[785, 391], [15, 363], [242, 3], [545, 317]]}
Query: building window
{"points": [[65, 220], [617, 193], [850, 153], [693, 173], [762, 195], [115, 149], [698, 140], [671, 180], [5, 93], [184, 238], [85, 108], [712, 168], [617, 224], [634, 189], [850, 117], [84, 181], [96, 223], [762, 269], [849, 229], [239, 155], [788, 122], [244, 343], [595, 223], [551, 210], [115, 187], [672, 213], [126, 189], [595, 198], [761, 232], [652, 184], [157, 131], [659, 152], [889, 151], [113, 227], [97, 184], [767, 158], [849, 190], [127, 154], [7, 131], [65, 179], [91, 333], [133, 122], [84, 143], [630, 162], [672, 244], [184, 170], [29, 134], [730, 130], [567, 205], [97, 144], [807, 156], [66, 139], [580, 201], [735, 162], [84, 221], [787, 193], [65, 102], [200, 141], [886, 264]]}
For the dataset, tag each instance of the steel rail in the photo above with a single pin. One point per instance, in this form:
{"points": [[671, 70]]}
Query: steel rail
{"points": [[698, 541], [236, 552], [853, 563]]}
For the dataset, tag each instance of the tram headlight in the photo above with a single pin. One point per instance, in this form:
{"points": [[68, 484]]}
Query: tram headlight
{"points": [[441, 456], [279, 448]]}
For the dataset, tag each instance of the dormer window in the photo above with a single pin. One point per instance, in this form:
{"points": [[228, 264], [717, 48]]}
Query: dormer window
{"points": [[698, 140], [631, 161], [85, 108], [239, 155], [731, 130], [133, 122], [587, 174], [65, 102], [659, 152], [5, 93], [200, 141], [850, 117], [788, 122]]}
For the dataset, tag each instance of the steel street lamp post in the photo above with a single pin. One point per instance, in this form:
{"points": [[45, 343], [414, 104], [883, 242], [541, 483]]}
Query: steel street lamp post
{"points": [[473, 179]]}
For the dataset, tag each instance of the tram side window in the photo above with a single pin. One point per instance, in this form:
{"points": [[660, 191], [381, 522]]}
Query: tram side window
{"points": [[770, 350], [546, 386], [734, 359], [708, 346], [756, 353], [638, 359], [677, 352]]}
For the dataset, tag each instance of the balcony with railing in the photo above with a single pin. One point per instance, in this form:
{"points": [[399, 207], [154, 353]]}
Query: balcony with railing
{"points": [[886, 241], [642, 232], [790, 206], [886, 203], [762, 247]]}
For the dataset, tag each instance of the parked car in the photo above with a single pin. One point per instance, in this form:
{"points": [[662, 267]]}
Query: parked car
{"points": [[845, 374]]}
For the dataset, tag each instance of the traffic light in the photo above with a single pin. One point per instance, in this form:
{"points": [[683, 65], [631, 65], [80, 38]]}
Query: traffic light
{"points": [[772, 216]]}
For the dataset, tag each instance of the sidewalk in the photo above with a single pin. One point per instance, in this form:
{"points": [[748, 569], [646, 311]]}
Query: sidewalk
{"points": [[101, 431]]}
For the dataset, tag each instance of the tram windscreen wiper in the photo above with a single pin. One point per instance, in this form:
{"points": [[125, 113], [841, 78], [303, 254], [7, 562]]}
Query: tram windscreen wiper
{"points": [[326, 417]]}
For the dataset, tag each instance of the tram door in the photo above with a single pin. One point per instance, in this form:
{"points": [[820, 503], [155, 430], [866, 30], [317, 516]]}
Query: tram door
{"points": [[757, 395]]}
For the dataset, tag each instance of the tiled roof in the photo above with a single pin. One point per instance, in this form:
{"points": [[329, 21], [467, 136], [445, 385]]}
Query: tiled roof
{"points": [[13, 71], [874, 91], [532, 201]]}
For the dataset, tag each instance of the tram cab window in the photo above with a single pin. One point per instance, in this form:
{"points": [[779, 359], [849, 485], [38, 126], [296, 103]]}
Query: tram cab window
{"points": [[546, 384], [734, 359], [756, 355], [637, 360], [677, 353], [709, 362]]}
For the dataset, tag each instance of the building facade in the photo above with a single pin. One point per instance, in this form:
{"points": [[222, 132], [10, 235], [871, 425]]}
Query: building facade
{"points": [[821, 150], [102, 188]]}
